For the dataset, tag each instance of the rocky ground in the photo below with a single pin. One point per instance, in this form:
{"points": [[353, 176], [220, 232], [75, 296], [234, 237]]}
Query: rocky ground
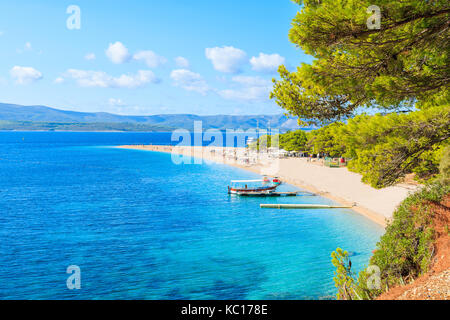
{"points": [[437, 287]]}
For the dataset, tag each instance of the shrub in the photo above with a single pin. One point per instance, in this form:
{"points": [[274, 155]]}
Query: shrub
{"points": [[444, 166], [405, 251]]}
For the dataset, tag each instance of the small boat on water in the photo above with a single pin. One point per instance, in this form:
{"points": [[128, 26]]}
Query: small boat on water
{"points": [[263, 187]]}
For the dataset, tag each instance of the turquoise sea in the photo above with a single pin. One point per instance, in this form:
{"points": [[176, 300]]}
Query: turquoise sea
{"points": [[141, 227]]}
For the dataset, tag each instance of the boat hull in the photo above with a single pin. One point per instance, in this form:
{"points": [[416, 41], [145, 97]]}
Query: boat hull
{"points": [[250, 191]]}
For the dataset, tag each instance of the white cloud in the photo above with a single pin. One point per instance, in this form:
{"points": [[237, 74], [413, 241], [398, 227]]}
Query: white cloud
{"points": [[115, 102], [90, 56], [117, 53], [189, 81], [28, 46], [226, 59], [103, 80], [2, 33], [182, 62], [267, 62], [25, 75], [150, 58], [59, 80], [253, 89]]}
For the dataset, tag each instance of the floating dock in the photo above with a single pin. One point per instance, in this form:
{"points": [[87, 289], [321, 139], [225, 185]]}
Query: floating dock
{"points": [[274, 194], [301, 206]]}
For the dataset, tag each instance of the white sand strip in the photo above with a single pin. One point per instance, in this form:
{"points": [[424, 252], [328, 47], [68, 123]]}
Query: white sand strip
{"points": [[338, 184]]}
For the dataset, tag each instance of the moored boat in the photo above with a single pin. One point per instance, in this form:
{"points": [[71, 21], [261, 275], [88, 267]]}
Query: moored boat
{"points": [[251, 187]]}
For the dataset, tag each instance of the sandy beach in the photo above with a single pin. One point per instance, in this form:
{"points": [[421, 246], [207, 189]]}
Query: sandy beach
{"points": [[338, 184]]}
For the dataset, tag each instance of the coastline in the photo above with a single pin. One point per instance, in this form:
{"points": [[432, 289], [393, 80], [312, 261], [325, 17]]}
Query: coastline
{"points": [[337, 184]]}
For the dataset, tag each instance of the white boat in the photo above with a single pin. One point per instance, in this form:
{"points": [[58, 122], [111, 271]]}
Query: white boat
{"points": [[253, 187]]}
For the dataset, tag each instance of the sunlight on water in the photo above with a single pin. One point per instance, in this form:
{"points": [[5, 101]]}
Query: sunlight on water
{"points": [[141, 227]]}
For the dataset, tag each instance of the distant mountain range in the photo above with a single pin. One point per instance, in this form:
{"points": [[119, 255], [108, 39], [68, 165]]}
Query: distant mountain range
{"points": [[17, 117]]}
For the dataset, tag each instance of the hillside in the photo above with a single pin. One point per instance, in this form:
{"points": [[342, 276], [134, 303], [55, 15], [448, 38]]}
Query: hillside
{"points": [[80, 126], [17, 117], [435, 284], [412, 257]]}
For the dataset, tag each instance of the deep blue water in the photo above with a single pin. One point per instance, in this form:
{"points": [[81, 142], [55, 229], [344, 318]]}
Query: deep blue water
{"points": [[141, 227]]}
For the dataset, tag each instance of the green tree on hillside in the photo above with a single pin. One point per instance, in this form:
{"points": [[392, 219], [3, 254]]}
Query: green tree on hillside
{"points": [[327, 140], [293, 141], [343, 276], [386, 148], [265, 142], [401, 66]]}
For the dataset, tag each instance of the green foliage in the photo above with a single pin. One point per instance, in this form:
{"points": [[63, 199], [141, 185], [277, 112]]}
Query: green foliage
{"points": [[428, 164], [265, 142], [444, 166], [343, 275], [383, 148], [386, 148], [403, 64], [294, 141], [327, 140], [268, 141], [405, 251], [289, 141], [433, 192]]}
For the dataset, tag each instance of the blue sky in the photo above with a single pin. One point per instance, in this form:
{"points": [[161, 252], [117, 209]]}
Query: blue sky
{"points": [[146, 57]]}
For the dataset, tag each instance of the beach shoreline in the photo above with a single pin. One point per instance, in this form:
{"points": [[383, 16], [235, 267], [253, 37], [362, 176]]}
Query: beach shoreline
{"points": [[336, 184]]}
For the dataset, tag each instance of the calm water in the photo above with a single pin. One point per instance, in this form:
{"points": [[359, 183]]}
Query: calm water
{"points": [[140, 227]]}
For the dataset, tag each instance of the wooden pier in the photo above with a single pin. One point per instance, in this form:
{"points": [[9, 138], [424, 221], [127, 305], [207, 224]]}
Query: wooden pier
{"points": [[275, 194], [302, 206]]}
